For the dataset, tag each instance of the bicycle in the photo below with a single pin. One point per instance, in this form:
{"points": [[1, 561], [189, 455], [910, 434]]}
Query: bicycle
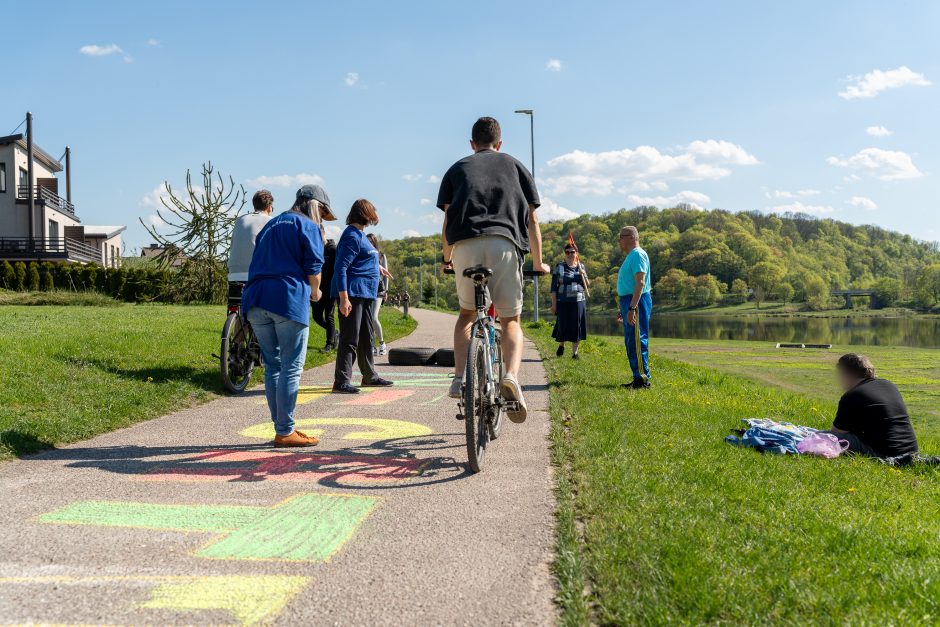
{"points": [[481, 406], [240, 352]]}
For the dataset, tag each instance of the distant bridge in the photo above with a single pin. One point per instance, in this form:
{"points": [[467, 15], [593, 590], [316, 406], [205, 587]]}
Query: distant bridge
{"points": [[873, 301]]}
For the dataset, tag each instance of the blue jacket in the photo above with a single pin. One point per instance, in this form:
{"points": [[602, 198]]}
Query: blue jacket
{"points": [[357, 266], [288, 249]]}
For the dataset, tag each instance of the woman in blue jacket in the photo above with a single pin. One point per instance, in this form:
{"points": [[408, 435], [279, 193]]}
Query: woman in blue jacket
{"points": [[284, 276], [355, 284]]}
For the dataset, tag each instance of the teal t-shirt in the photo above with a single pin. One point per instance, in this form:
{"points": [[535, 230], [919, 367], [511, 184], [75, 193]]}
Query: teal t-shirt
{"points": [[636, 261]]}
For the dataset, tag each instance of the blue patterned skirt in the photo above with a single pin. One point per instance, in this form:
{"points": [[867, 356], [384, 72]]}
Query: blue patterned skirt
{"points": [[570, 322]]}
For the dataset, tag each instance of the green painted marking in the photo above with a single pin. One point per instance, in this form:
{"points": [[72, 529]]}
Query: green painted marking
{"points": [[250, 600], [306, 527]]}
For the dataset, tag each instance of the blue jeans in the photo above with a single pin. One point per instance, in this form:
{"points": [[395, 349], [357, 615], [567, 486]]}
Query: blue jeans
{"points": [[284, 349], [629, 334]]}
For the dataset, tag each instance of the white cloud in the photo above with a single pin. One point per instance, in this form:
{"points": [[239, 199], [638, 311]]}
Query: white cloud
{"points": [[410, 233], [425, 201], [285, 180], [887, 165], [412, 178], [93, 50], [351, 79], [696, 200], [553, 65], [156, 43], [863, 202], [434, 179], [333, 231], [798, 207], [602, 173], [551, 210], [877, 81], [779, 193], [435, 217], [878, 131]]}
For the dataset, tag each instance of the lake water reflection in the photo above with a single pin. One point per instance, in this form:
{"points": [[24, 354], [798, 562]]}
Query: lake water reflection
{"points": [[872, 331]]}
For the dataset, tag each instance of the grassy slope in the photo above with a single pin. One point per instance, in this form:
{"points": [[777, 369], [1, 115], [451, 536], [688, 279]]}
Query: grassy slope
{"points": [[661, 522], [70, 373]]}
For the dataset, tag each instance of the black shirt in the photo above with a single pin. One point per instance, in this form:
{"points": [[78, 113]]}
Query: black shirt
{"points": [[329, 263], [875, 412], [488, 193]]}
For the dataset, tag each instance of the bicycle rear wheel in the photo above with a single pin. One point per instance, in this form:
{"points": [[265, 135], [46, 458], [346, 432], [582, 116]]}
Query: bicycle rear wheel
{"points": [[235, 357], [498, 370], [476, 404]]}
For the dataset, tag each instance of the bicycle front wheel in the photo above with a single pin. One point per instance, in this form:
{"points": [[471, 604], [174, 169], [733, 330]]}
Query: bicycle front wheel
{"points": [[476, 404], [234, 356]]}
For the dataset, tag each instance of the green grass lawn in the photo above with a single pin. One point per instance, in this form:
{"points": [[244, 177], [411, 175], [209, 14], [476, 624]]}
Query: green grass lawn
{"points": [[661, 522], [70, 373]]}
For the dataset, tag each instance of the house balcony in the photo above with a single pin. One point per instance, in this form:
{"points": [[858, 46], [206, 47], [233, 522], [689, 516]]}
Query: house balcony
{"points": [[47, 249], [47, 197]]}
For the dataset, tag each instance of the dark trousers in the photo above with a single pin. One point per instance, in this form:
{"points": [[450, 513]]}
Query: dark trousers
{"points": [[355, 342], [323, 315]]}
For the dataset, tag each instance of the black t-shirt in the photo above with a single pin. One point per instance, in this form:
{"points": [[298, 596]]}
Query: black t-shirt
{"points": [[488, 193], [875, 412], [329, 263]]}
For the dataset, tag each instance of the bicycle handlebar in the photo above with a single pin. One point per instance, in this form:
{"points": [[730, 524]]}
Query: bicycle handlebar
{"points": [[528, 273]]}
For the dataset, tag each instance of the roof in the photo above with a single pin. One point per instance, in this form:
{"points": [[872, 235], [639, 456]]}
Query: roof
{"points": [[39, 154], [104, 231]]}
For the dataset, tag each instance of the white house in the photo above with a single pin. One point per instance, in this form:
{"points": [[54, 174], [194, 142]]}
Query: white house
{"points": [[47, 228]]}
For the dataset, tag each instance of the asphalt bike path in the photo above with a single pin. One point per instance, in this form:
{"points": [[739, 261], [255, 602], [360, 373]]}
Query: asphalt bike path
{"points": [[194, 518]]}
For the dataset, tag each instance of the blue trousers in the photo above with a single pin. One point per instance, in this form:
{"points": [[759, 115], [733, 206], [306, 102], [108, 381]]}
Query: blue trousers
{"points": [[630, 335], [284, 350]]}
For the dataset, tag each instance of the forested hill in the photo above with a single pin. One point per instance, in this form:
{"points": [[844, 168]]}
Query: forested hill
{"points": [[701, 257]]}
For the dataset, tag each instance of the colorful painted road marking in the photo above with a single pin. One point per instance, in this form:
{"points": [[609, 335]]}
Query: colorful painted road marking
{"points": [[307, 394], [276, 466], [380, 397], [307, 527], [378, 428], [249, 599]]}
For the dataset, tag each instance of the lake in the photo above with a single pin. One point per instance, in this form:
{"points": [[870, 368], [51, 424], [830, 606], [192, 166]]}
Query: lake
{"points": [[871, 331]]}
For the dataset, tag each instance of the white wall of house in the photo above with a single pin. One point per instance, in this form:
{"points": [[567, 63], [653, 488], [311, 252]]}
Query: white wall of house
{"points": [[14, 218]]}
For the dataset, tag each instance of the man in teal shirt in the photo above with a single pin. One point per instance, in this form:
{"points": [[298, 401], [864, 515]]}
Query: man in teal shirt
{"points": [[633, 291]]}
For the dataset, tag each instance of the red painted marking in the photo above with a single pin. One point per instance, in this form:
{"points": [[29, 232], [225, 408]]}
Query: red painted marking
{"points": [[380, 397], [274, 466]]}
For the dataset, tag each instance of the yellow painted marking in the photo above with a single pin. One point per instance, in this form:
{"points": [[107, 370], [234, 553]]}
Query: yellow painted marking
{"points": [[307, 394], [249, 599], [378, 428]]}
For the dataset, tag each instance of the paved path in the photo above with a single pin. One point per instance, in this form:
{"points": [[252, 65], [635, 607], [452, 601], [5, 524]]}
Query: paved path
{"points": [[194, 519]]}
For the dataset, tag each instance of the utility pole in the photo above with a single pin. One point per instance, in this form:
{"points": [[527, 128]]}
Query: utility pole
{"points": [[29, 175], [420, 279], [68, 175], [436, 266]]}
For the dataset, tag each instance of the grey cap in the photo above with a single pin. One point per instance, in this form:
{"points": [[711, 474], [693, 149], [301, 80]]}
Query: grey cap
{"points": [[314, 192]]}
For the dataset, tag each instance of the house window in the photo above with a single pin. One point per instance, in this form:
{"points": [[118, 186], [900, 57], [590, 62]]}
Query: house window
{"points": [[3, 177], [24, 178], [53, 229]]}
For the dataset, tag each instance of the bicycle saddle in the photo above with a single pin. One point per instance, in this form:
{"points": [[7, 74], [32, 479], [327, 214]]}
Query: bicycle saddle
{"points": [[477, 271]]}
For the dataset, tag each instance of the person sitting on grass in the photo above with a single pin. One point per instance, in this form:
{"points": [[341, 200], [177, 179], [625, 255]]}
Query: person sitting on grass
{"points": [[872, 416]]}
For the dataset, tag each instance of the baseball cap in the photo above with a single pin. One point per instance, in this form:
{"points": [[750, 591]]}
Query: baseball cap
{"points": [[315, 192]]}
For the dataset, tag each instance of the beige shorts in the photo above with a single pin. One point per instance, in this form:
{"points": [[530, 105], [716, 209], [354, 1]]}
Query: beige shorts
{"points": [[500, 255]]}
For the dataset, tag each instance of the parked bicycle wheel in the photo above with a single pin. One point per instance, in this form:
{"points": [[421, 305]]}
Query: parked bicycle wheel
{"points": [[235, 356], [476, 405]]}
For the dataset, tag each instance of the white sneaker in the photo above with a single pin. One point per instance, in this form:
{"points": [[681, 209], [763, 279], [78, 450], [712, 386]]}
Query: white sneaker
{"points": [[382, 348], [456, 388], [511, 390]]}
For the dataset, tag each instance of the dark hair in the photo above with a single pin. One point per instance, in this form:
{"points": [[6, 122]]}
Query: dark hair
{"points": [[262, 200], [362, 212], [373, 240], [486, 132], [857, 365]]}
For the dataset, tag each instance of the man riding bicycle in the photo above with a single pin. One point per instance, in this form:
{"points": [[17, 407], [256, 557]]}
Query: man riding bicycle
{"points": [[246, 230], [489, 201]]}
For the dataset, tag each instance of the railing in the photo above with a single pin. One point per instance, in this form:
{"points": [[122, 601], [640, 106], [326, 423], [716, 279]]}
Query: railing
{"points": [[47, 197], [48, 248]]}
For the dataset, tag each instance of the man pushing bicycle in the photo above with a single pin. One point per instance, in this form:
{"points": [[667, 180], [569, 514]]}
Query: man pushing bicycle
{"points": [[489, 201]]}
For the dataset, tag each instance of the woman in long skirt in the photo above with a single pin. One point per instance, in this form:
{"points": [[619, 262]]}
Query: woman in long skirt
{"points": [[569, 299]]}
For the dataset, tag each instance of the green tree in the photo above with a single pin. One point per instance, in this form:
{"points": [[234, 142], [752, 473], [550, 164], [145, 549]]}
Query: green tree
{"points": [[764, 277], [7, 275], [785, 292], [33, 278], [928, 285], [46, 282], [887, 291], [19, 281], [739, 290], [817, 294]]}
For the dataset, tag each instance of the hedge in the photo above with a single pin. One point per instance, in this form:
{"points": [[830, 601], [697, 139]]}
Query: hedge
{"points": [[132, 285]]}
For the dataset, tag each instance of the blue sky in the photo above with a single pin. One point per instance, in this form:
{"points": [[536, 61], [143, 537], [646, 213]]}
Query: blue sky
{"points": [[830, 108]]}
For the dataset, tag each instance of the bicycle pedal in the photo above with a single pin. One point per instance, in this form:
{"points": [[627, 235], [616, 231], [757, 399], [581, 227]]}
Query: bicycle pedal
{"points": [[459, 417], [214, 356]]}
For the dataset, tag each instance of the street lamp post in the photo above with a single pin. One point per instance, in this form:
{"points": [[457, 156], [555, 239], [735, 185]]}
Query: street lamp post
{"points": [[535, 279]]}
